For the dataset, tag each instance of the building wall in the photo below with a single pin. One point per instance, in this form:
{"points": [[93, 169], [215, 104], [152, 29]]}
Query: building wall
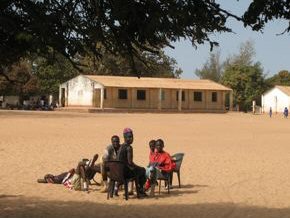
{"points": [[197, 104], [190, 103], [276, 99], [80, 92], [168, 101], [108, 101], [174, 103], [153, 98], [219, 104], [141, 103], [112, 100]]}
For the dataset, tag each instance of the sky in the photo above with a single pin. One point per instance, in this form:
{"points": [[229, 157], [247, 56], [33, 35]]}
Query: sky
{"points": [[272, 50]]}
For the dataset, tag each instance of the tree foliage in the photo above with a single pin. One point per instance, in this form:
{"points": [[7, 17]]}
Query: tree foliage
{"points": [[73, 27], [25, 83], [281, 78], [51, 73], [247, 82], [245, 77], [212, 69], [260, 12], [126, 28], [155, 65], [238, 72], [245, 56]]}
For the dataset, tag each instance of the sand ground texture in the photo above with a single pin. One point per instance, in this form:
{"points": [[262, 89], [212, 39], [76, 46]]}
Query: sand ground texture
{"points": [[235, 165]]}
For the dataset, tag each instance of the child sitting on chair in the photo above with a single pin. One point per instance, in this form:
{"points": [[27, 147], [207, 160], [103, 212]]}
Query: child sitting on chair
{"points": [[160, 163]]}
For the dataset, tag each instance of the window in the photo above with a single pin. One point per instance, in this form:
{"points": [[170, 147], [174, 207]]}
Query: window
{"points": [[182, 96], [214, 96], [141, 94], [122, 94], [197, 96]]}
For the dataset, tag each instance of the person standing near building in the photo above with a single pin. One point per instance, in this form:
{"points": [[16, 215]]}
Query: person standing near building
{"points": [[285, 112], [270, 112]]}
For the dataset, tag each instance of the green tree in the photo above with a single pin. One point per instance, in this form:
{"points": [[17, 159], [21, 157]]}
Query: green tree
{"points": [[247, 82], [281, 78], [245, 77], [212, 69], [51, 73]]}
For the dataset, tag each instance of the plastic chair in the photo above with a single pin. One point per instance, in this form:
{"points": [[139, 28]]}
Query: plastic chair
{"points": [[178, 160], [116, 173]]}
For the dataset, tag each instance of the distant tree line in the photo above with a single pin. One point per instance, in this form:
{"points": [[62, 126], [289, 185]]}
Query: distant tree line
{"points": [[242, 74]]}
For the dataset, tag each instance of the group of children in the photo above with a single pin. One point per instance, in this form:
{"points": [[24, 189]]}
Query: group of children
{"points": [[160, 164]]}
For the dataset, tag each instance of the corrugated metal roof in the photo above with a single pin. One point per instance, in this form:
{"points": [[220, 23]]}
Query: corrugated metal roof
{"points": [[149, 82], [285, 89]]}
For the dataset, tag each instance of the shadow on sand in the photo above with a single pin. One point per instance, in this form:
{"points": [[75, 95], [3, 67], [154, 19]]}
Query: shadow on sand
{"points": [[13, 206]]}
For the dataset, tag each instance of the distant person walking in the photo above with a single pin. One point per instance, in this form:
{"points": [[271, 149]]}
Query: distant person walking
{"points": [[285, 112], [270, 112]]}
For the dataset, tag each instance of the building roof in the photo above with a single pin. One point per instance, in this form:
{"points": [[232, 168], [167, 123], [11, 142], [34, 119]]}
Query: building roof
{"points": [[285, 89], [149, 82]]}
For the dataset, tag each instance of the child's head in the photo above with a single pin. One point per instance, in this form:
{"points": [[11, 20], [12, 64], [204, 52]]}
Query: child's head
{"points": [[152, 145], [159, 145]]}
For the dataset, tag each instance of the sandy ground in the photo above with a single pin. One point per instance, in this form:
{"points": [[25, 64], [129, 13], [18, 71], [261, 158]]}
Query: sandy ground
{"points": [[235, 165]]}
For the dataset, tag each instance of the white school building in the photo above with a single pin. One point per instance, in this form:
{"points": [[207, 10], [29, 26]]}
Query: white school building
{"points": [[278, 98]]}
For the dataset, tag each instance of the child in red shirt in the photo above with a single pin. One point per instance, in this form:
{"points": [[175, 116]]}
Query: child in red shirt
{"points": [[160, 162]]}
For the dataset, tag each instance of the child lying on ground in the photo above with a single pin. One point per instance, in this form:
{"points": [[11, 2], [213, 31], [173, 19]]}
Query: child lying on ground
{"points": [[76, 179]]}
